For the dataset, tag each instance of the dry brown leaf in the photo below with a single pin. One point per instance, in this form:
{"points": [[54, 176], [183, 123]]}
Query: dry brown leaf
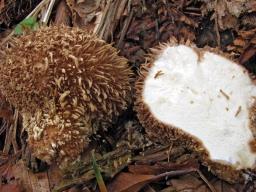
{"points": [[55, 176], [247, 34], [86, 13], [148, 188], [239, 42], [10, 188], [186, 182], [251, 5], [6, 114], [2, 3], [247, 55], [146, 169], [63, 14], [226, 12], [159, 168], [193, 183], [243, 48], [7, 172], [84, 7], [128, 182], [4, 169], [5, 109], [31, 181], [225, 19], [222, 186]]}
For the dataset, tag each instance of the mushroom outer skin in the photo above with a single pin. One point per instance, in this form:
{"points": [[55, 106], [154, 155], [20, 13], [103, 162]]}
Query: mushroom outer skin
{"points": [[167, 133], [64, 81]]}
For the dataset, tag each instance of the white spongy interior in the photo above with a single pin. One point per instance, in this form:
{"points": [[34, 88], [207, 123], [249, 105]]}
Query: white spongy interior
{"points": [[208, 97]]}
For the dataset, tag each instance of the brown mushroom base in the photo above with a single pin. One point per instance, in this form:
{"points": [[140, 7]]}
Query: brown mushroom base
{"points": [[55, 138], [171, 134]]}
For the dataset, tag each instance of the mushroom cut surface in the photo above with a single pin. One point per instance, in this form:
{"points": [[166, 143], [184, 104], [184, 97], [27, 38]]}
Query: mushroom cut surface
{"points": [[202, 99]]}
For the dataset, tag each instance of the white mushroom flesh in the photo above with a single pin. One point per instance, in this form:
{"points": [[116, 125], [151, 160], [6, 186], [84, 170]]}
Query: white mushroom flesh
{"points": [[206, 96]]}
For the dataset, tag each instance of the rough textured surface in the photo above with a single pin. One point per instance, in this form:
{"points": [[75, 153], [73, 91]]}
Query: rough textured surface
{"points": [[166, 107], [64, 82]]}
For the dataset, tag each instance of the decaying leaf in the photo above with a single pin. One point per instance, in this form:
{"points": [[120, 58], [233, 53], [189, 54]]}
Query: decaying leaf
{"points": [[129, 182], [147, 24], [86, 13], [10, 188], [227, 12], [133, 26], [63, 14], [2, 4]]}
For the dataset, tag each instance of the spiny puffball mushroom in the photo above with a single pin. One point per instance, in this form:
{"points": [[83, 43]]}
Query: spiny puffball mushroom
{"points": [[64, 81], [202, 100]]}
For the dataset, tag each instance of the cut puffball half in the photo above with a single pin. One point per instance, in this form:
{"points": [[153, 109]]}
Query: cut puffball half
{"points": [[202, 100]]}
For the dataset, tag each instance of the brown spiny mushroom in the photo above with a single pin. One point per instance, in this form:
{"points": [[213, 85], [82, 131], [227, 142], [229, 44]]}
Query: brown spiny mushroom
{"points": [[202, 100], [63, 81]]}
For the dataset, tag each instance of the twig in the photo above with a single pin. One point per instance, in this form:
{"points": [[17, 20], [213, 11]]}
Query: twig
{"points": [[3, 126], [169, 152], [174, 173], [185, 171], [216, 24], [15, 124], [125, 28], [111, 13], [70, 183], [8, 139], [11, 136], [99, 30], [46, 16], [206, 181]]}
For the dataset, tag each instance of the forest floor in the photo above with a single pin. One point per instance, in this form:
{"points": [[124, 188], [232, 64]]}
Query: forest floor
{"points": [[128, 160]]}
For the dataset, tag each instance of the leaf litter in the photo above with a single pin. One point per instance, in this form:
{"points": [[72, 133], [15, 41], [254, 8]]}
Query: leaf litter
{"points": [[128, 160]]}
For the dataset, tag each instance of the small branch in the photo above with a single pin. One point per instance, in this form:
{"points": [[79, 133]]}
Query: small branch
{"points": [[15, 125], [124, 30], [46, 16], [206, 181], [216, 24], [10, 138]]}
